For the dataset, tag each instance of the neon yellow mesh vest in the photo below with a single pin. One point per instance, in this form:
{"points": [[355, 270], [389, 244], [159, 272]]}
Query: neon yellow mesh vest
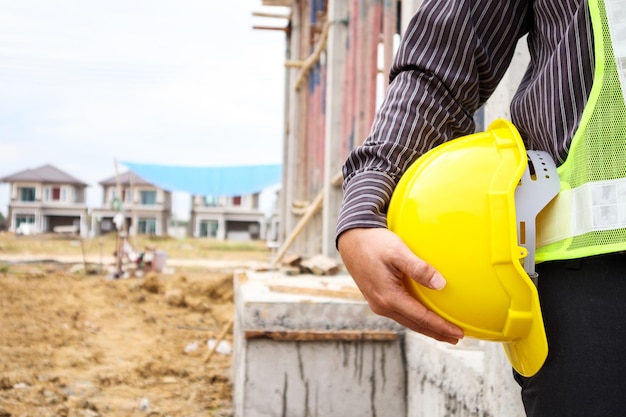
{"points": [[589, 215]]}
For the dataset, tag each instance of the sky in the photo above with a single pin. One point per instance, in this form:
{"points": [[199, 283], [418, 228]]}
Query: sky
{"points": [[87, 84]]}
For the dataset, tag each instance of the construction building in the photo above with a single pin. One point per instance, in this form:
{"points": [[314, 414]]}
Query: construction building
{"points": [[337, 62], [336, 357]]}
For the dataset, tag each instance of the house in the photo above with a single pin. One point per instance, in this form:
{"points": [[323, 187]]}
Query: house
{"points": [[227, 217], [46, 199], [146, 208]]}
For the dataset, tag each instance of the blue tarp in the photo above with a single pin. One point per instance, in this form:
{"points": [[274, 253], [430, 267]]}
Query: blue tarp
{"points": [[209, 181]]}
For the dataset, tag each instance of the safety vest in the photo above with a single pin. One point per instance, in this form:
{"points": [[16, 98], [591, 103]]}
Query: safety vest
{"points": [[588, 217]]}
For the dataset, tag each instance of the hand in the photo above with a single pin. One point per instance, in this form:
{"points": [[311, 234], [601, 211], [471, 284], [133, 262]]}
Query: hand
{"points": [[378, 260]]}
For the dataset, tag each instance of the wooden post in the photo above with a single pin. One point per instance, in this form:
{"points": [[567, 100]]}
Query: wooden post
{"points": [[221, 337], [312, 209], [134, 225], [271, 15], [374, 25], [121, 232], [291, 152], [323, 335], [314, 57], [82, 249], [303, 177], [390, 24], [360, 11]]}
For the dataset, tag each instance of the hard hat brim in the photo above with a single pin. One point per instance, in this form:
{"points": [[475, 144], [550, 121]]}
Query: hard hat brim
{"points": [[527, 355]]}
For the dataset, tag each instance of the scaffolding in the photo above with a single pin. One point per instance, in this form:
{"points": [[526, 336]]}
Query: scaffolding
{"points": [[337, 61]]}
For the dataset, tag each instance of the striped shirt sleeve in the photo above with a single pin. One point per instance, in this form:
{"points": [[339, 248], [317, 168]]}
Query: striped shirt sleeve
{"points": [[451, 58]]}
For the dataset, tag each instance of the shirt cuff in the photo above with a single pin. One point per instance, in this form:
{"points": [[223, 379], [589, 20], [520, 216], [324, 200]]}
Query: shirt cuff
{"points": [[366, 196]]}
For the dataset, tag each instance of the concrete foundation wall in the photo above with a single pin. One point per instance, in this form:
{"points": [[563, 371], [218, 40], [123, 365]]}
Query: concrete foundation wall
{"points": [[301, 353], [322, 379], [472, 379]]}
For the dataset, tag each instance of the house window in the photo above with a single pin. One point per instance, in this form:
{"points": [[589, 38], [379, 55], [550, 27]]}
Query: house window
{"points": [[27, 194], [106, 225], [146, 226], [210, 201], [126, 195], [237, 200], [24, 219], [148, 197], [208, 229], [54, 194]]}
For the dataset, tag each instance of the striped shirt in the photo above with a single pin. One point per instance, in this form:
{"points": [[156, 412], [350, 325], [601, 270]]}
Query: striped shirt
{"points": [[450, 60]]}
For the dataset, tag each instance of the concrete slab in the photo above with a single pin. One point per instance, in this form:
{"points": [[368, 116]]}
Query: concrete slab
{"points": [[310, 346]]}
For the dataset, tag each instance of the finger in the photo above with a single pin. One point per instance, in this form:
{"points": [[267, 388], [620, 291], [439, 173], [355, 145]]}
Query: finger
{"points": [[429, 333], [419, 270], [400, 306], [426, 331], [418, 318]]}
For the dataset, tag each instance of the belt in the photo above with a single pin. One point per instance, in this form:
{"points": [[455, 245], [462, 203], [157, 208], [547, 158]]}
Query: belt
{"points": [[613, 260]]}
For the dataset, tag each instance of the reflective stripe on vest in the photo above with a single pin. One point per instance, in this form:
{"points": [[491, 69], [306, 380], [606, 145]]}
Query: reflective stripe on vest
{"points": [[588, 217]]}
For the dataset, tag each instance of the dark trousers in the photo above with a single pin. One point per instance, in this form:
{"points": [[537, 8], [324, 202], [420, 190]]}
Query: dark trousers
{"points": [[584, 309]]}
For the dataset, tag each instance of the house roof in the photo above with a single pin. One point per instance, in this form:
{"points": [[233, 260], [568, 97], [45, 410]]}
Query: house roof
{"points": [[127, 178], [208, 180], [46, 174]]}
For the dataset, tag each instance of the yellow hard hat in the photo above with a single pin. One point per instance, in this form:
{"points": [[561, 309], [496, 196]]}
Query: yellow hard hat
{"points": [[455, 207]]}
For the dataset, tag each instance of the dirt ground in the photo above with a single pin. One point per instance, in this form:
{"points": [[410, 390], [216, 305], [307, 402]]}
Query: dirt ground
{"points": [[75, 344]]}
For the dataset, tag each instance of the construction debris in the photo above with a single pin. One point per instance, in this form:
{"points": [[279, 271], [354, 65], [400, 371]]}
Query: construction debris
{"points": [[317, 265], [321, 265]]}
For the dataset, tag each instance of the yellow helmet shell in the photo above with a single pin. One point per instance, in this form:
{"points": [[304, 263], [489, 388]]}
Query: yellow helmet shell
{"points": [[455, 208]]}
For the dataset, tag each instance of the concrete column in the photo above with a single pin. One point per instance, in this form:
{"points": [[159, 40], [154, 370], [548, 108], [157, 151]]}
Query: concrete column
{"points": [[336, 62], [84, 232], [221, 228], [40, 221], [290, 170], [158, 226], [263, 229]]}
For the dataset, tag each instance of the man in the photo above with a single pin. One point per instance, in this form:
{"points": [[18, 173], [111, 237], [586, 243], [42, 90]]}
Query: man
{"points": [[570, 104]]}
